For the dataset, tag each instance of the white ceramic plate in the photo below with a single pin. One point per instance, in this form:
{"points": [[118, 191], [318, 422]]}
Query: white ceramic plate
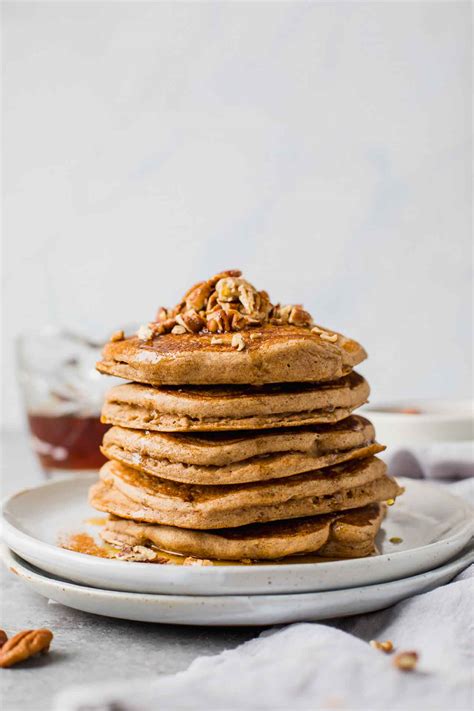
{"points": [[233, 609], [433, 524]]}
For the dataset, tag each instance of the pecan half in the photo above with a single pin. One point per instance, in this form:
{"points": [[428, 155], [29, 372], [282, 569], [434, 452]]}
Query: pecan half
{"points": [[218, 321], [197, 296], [212, 303], [24, 645], [223, 275], [227, 289], [238, 320], [191, 320]]}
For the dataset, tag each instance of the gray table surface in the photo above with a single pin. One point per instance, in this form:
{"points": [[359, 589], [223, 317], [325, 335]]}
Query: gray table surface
{"points": [[86, 647]]}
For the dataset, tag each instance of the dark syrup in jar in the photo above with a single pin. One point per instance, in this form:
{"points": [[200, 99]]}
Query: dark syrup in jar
{"points": [[69, 442]]}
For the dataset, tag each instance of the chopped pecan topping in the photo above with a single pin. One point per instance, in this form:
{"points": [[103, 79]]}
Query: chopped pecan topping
{"points": [[117, 336], [238, 341], [191, 321], [167, 325], [178, 329], [332, 337], [281, 314], [161, 314], [218, 321], [224, 303], [196, 298], [139, 554], [24, 645], [227, 289], [145, 332], [223, 275], [196, 561], [324, 335], [300, 317]]}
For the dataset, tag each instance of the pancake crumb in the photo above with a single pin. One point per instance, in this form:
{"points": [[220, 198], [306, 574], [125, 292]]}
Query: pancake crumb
{"points": [[197, 561], [406, 661], [386, 646]]}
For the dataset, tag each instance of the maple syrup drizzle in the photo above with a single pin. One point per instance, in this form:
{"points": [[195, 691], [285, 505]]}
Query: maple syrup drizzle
{"points": [[96, 520], [84, 543]]}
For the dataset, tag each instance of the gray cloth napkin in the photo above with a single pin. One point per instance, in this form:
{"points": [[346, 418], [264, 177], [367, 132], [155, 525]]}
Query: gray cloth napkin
{"points": [[323, 666], [440, 460]]}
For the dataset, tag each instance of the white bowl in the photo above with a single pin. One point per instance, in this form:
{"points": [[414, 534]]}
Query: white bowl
{"points": [[431, 421]]}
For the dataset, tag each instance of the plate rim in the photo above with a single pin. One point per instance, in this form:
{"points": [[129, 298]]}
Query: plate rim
{"points": [[8, 556], [11, 531]]}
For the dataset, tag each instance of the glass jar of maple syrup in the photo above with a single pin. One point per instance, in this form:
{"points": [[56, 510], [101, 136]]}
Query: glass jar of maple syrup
{"points": [[63, 394]]}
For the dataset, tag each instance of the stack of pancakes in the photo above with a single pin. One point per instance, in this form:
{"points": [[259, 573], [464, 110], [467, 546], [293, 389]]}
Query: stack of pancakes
{"points": [[239, 444]]}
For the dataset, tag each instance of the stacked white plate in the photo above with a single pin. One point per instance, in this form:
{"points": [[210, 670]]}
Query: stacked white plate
{"points": [[433, 530]]}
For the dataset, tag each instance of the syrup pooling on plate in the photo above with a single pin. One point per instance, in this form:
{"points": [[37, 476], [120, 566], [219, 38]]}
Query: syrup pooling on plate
{"points": [[86, 543]]}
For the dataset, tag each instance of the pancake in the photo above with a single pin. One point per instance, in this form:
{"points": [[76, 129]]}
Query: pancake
{"points": [[129, 494], [222, 448], [252, 456], [271, 354], [221, 408], [349, 534]]}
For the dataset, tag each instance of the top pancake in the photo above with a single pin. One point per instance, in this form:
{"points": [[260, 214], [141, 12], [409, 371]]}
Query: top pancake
{"points": [[272, 354]]}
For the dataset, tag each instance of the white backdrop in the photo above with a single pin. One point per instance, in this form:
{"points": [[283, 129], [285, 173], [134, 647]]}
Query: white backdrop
{"points": [[321, 147]]}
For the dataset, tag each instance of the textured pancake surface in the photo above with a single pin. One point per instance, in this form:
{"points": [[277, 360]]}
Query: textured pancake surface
{"points": [[222, 448], [348, 534], [272, 354], [233, 408], [128, 494], [215, 458]]}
